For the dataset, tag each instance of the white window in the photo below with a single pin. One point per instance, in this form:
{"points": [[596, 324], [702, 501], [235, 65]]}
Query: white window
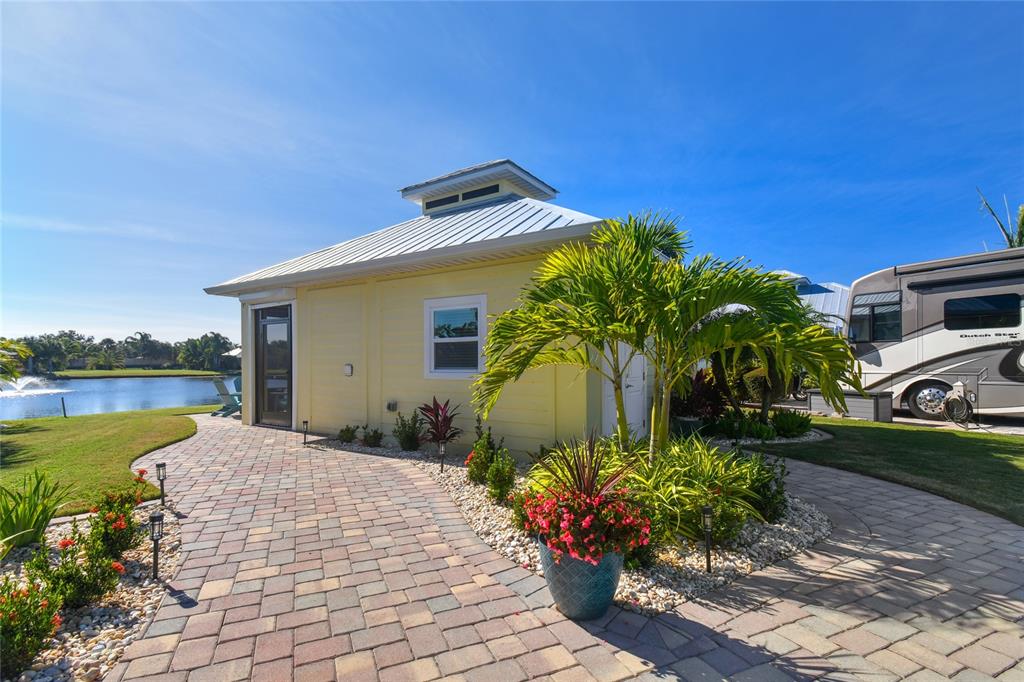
{"points": [[454, 330]]}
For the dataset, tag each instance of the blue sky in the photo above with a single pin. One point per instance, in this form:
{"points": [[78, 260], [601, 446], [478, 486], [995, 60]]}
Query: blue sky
{"points": [[152, 149]]}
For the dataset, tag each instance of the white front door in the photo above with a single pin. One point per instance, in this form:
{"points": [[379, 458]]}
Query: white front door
{"points": [[634, 396]]}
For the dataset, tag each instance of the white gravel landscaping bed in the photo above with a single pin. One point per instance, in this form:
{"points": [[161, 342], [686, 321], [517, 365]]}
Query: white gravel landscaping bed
{"points": [[678, 573], [809, 437], [92, 638]]}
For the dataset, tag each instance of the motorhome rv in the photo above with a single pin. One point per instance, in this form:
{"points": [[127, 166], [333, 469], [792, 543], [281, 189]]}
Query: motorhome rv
{"points": [[919, 329]]}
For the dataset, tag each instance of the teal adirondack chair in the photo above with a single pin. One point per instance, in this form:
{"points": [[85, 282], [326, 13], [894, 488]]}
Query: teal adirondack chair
{"points": [[232, 401]]}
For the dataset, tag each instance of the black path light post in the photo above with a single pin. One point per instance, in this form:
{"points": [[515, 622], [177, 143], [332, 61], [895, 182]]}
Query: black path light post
{"points": [[156, 531], [161, 475], [305, 430], [706, 515]]}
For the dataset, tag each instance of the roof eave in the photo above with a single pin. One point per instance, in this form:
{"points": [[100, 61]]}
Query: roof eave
{"points": [[493, 248]]}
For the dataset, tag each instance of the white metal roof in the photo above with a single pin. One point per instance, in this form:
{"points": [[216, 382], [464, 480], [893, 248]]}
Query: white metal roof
{"points": [[507, 225], [829, 298], [524, 182]]}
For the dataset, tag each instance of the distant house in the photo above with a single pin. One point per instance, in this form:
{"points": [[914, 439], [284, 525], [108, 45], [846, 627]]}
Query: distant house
{"points": [[355, 332], [828, 298]]}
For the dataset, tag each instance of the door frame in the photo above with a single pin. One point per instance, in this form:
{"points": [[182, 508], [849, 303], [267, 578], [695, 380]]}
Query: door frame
{"points": [[608, 416], [251, 360]]}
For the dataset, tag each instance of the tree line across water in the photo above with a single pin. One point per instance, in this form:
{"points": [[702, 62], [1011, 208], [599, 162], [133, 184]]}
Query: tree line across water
{"points": [[68, 348]]}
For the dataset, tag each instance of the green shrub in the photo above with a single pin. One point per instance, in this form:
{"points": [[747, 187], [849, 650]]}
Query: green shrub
{"points": [[768, 483], [484, 450], [703, 399], [408, 431], [738, 425], [81, 573], [113, 526], [501, 476], [674, 485], [372, 438], [347, 434], [790, 423], [516, 500], [26, 510], [28, 616]]}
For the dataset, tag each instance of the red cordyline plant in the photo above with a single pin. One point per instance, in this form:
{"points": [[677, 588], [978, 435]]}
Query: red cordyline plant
{"points": [[441, 427], [584, 511]]}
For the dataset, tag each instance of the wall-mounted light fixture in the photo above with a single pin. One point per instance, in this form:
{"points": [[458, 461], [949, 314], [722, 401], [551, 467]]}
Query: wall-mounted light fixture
{"points": [[347, 368], [392, 406]]}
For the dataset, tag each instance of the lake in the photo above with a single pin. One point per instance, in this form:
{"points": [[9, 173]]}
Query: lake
{"points": [[94, 396]]}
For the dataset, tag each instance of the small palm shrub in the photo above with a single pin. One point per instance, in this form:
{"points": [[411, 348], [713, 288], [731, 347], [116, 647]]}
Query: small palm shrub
{"points": [[673, 486], [28, 617], [768, 483], [408, 431], [26, 509], [790, 423], [372, 438], [81, 572], [501, 476], [347, 433], [478, 463]]}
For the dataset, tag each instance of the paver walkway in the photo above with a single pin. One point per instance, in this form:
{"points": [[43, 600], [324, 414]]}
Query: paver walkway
{"points": [[307, 564]]}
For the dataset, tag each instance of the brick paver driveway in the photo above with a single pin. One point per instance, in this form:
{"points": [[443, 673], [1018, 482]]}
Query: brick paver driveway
{"points": [[308, 564]]}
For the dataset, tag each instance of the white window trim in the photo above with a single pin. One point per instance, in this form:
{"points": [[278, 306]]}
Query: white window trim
{"points": [[433, 304]]}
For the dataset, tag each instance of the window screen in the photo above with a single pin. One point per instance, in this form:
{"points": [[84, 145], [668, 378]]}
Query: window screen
{"points": [[982, 312], [482, 192], [434, 203], [453, 335]]}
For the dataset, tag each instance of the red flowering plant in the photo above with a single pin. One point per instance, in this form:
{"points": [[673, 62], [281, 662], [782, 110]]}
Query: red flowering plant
{"points": [[28, 616], [582, 509], [114, 526], [77, 573]]}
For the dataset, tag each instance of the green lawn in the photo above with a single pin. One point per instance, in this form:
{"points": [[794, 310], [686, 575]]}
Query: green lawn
{"points": [[981, 470], [91, 452], [123, 373]]}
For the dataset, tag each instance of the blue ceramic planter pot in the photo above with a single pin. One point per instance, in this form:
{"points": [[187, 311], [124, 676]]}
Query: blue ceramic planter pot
{"points": [[581, 591]]}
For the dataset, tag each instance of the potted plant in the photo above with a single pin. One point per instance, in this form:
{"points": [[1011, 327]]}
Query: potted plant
{"points": [[585, 522], [441, 428]]}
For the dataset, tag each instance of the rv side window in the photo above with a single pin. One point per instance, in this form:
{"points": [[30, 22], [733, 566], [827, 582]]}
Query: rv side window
{"points": [[876, 317], [982, 312]]}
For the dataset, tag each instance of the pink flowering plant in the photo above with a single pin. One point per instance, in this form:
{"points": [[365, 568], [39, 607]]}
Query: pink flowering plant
{"points": [[582, 509]]}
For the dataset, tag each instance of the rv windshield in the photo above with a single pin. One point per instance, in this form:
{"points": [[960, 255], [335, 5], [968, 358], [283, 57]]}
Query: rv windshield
{"points": [[876, 317]]}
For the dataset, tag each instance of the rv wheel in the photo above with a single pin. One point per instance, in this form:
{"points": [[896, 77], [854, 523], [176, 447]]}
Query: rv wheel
{"points": [[925, 400]]}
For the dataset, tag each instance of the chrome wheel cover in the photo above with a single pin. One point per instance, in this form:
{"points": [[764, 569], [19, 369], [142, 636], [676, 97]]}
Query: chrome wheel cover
{"points": [[930, 400]]}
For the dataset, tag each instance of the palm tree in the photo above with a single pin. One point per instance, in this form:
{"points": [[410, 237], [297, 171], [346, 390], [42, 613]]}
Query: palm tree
{"points": [[12, 355], [581, 310], [1013, 234], [632, 287]]}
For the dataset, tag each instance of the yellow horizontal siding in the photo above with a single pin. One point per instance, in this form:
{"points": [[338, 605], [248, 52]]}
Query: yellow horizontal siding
{"points": [[377, 326]]}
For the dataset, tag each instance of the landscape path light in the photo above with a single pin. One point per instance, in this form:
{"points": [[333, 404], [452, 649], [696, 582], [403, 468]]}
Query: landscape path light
{"points": [[706, 516], [156, 531], [305, 430], [161, 475]]}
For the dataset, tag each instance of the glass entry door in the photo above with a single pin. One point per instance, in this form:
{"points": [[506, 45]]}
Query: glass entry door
{"points": [[273, 332]]}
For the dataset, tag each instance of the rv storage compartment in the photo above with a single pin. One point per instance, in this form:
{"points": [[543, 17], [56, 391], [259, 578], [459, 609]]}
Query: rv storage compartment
{"points": [[876, 407]]}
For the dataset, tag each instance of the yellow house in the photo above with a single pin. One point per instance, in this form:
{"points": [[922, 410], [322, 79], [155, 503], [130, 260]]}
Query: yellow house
{"points": [[357, 332]]}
